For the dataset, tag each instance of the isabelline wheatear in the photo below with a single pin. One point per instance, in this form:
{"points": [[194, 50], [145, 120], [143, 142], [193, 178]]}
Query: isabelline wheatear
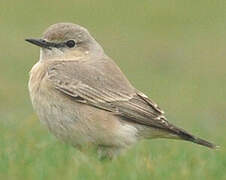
{"points": [[83, 97]]}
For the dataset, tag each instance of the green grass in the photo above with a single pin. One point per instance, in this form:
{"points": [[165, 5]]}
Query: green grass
{"points": [[172, 50]]}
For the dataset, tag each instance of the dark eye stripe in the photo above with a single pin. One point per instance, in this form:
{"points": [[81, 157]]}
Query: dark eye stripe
{"points": [[70, 44], [56, 45]]}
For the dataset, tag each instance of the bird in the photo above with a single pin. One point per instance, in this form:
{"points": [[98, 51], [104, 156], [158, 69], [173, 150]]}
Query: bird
{"points": [[83, 97]]}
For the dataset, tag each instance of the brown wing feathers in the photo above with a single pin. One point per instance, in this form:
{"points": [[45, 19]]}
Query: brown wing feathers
{"points": [[134, 107]]}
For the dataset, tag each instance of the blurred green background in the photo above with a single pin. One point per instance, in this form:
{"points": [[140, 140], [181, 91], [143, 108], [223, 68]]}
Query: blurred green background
{"points": [[172, 50]]}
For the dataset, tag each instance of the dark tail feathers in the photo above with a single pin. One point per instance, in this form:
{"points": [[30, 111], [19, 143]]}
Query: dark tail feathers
{"points": [[188, 137], [200, 141]]}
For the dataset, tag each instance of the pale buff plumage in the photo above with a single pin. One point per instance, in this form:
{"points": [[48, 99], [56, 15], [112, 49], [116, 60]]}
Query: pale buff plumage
{"points": [[83, 97]]}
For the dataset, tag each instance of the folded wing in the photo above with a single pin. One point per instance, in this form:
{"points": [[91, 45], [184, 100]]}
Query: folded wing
{"points": [[101, 84]]}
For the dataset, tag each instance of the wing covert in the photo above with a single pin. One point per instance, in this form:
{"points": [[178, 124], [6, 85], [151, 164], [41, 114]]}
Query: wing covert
{"points": [[87, 83]]}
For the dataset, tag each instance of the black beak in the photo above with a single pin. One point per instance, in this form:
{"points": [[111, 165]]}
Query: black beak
{"points": [[40, 42]]}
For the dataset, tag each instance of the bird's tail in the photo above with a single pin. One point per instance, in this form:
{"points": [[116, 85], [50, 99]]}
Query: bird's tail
{"points": [[184, 135], [188, 137]]}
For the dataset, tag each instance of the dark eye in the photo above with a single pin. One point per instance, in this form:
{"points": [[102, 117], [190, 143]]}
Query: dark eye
{"points": [[70, 43]]}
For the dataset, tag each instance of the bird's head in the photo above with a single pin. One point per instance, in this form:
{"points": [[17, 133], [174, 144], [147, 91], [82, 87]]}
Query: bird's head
{"points": [[66, 41]]}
